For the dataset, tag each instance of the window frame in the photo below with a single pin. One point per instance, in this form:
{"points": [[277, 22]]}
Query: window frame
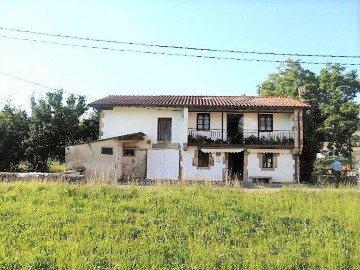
{"points": [[266, 127], [160, 135], [265, 161], [201, 162], [201, 127], [129, 149], [106, 151]]}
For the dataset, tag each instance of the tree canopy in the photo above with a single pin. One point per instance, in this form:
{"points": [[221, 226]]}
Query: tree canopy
{"points": [[334, 115], [14, 130], [53, 124], [56, 124]]}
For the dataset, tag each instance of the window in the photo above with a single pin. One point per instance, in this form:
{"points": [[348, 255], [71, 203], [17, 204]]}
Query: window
{"points": [[265, 122], [268, 160], [203, 159], [106, 150], [129, 152], [203, 121], [164, 130]]}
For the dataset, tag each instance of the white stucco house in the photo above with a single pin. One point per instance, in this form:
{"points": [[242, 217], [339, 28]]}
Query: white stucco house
{"points": [[216, 138]]}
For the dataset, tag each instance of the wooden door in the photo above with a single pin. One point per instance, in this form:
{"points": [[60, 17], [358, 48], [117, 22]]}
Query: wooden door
{"points": [[164, 130]]}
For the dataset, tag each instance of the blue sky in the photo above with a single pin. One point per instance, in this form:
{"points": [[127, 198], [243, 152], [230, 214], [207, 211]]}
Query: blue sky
{"points": [[324, 27]]}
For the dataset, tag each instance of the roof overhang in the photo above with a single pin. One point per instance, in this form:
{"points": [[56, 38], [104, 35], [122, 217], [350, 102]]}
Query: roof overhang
{"points": [[222, 150], [275, 151], [133, 137], [139, 136], [200, 102]]}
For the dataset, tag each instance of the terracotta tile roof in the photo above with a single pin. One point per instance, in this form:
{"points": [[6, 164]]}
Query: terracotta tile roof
{"points": [[139, 136], [197, 101]]}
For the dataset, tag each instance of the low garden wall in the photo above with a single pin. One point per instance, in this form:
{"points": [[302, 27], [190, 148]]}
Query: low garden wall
{"points": [[52, 177]]}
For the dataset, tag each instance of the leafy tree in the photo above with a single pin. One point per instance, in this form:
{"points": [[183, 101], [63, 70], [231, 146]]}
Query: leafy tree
{"points": [[340, 112], [54, 125], [41, 135], [14, 130], [286, 82], [333, 116], [89, 128]]}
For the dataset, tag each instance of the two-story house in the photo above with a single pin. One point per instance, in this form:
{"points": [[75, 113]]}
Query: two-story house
{"points": [[215, 138]]}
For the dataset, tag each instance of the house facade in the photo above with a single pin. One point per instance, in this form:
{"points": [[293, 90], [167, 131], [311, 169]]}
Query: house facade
{"points": [[217, 138]]}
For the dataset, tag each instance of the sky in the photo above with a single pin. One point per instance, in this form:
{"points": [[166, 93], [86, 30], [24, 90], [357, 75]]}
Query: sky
{"points": [[305, 27]]}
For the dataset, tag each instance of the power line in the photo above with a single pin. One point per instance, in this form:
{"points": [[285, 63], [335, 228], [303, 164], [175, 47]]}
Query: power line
{"points": [[175, 54], [178, 47], [27, 81], [35, 83]]}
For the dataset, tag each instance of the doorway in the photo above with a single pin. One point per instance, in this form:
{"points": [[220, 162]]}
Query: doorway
{"points": [[235, 128], [236, 166]]}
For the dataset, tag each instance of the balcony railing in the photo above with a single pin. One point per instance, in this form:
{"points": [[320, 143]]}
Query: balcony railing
{"points": [[255, 137], [205, 135]]}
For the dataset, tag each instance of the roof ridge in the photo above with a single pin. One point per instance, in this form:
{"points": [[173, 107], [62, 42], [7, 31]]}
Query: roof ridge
{"points": [[197, 101], [138, 95]]}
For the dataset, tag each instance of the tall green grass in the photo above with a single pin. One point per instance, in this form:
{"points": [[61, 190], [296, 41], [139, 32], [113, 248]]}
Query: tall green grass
{"points": [[63, 226]]}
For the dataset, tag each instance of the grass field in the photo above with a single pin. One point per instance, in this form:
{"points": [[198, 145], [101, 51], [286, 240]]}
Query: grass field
{"points": [[63, 226]]}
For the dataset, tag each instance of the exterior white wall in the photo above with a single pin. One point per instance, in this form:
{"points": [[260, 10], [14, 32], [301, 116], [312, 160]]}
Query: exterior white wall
{"points": [[190, 172], [97, 165], [281, 121], [215, 125], [121, 121], [250, 121], [215, 120], [126, 120], [283, 173]]}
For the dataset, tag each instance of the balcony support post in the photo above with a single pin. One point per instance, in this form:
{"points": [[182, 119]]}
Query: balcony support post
{"points": [[222, 126], [258, 128], [186, 123]]}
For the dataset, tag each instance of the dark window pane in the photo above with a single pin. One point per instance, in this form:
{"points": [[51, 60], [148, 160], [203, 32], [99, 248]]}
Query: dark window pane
{"points": [[268, 160], [268, 123], [262, 123], [129, 152], [107, 150], [203, 121], [203, 159], [265, 122]]}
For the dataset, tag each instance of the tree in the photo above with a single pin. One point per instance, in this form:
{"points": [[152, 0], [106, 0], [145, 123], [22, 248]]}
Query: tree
{"points": [[333, 116], [290, 77], [53, 126], [89, 128], [340, 112], [14, 130]]}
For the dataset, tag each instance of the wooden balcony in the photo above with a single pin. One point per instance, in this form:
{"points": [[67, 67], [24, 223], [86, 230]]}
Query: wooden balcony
{"points": [[247, 137]]}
